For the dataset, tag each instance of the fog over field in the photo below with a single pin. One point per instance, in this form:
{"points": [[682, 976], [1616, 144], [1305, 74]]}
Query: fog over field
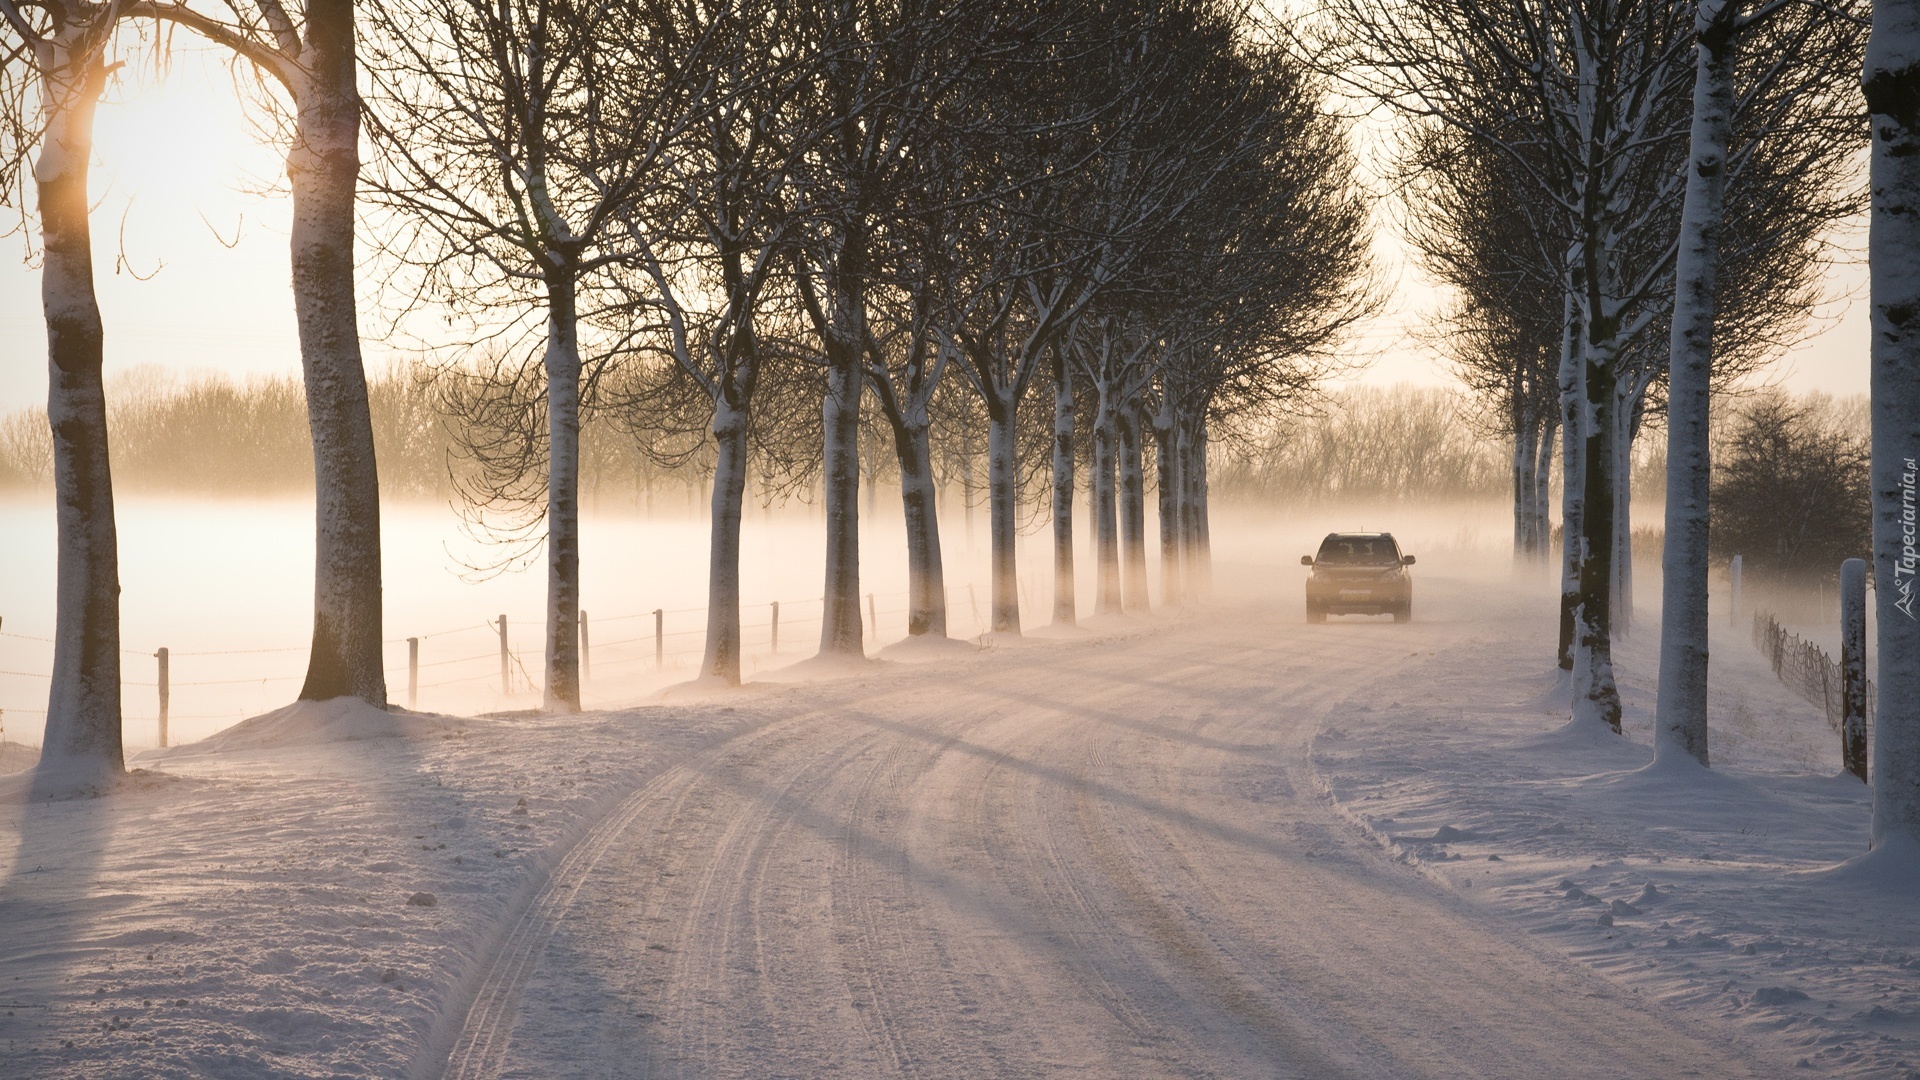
{"points": [[225, 585]]}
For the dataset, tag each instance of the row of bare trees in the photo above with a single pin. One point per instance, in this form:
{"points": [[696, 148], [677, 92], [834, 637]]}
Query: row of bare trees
{"points": [[1629, 199], [775, 216], [761, 217], [1564, 186]]}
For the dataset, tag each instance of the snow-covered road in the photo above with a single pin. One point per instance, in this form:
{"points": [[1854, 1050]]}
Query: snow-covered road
{"points": [[1103, 857], [1223, 844]]}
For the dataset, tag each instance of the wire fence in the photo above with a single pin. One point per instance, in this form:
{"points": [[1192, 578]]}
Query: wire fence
{"points": [[1805, 668], [485, 665]]}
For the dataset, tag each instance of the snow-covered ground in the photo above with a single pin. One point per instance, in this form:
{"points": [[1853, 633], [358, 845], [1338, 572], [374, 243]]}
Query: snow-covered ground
{"points": [[1222, 844], [1703, 894]]}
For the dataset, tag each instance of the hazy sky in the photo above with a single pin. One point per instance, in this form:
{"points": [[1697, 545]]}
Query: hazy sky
{"points": [[180, 178]]}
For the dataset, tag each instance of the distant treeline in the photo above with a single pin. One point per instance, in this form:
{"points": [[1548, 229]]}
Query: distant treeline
{"points": [[213, 435]]}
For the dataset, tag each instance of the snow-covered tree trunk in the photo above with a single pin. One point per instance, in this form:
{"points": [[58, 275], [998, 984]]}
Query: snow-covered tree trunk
{"points": [[82, 745], [1892, 84], [1106, 506], [323, 168], [1166, 443], [841, 629], [722, 658], [1063, 485], [563, 492], [1001, 508], [1133, 512], [1596, 699], [926, 580], [1573, 471], [1680, 709]]}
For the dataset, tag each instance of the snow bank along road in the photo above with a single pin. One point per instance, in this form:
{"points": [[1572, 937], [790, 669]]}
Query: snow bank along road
{"points": [[1100, 857]]}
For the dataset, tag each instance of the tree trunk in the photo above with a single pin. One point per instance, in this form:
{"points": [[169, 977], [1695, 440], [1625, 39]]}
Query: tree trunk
{"points": [[1166, 442], [722, 659], [1523, 443], [322, 169], [841, 629], [1195, 540], [1680, 709], [1572, 476], [1892, 86], [563, 494], [1133, 512], [1106, 508], [1622, 596], [1063, 484], [1543, 490], [1595, 697], [82, 745], [1000, 522], [926, 580]]}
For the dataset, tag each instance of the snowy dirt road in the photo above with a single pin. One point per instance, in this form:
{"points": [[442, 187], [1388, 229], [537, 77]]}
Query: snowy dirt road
{"points": [[1105, 857]]}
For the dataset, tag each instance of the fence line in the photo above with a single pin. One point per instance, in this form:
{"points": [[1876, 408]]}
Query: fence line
{"points": [[1805, 668], [619, 660]]}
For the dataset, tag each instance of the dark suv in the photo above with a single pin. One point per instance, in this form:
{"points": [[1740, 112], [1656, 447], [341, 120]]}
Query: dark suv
{"points": [[1359, 574]]}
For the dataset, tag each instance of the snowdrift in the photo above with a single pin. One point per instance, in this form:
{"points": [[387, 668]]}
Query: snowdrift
{"points": [[316, 723]]}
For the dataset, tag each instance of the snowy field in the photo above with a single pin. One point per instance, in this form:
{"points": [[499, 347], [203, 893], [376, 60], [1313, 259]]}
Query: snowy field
{"points": [[1224, 843]]}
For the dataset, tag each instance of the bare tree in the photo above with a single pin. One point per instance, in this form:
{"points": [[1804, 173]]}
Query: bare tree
{"points": [[310, 56], [1775, 76], [58, 53], [517, 141]]}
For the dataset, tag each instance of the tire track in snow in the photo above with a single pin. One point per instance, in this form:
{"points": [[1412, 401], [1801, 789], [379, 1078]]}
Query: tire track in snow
{"points": [[479, 1048]]}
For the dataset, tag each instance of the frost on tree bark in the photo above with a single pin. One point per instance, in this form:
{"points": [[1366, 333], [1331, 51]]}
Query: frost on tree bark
{"points": [[563, 493], [1572, 477], [1680, 709], [1892, 85], [323, 167], [926, 578], [82, 745], [1106, 508], [1063, 485], [1596, 699], [1132, 511], [722, 657], [1000, 519]]}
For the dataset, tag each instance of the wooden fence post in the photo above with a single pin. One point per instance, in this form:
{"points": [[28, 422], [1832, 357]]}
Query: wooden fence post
{"points": [[586, 653], [659, 638], [413, 673], [873, 620], [1853, 667], [506, 687], [776, 627], [164, 695]]}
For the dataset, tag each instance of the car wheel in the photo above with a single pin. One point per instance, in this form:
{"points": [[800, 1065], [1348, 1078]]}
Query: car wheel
{"points": [[1316, 613], [1404, 613]]}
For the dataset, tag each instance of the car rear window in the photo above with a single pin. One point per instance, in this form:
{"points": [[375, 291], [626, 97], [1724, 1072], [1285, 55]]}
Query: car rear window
{"points": [[1358, 550]]}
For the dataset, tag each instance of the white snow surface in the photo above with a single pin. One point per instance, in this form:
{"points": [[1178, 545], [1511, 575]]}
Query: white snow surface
{"points": [[1223, 844]]}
